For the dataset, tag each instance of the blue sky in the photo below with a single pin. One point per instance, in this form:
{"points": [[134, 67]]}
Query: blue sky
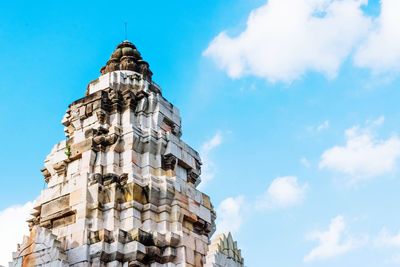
{"points": [[293, 105]]}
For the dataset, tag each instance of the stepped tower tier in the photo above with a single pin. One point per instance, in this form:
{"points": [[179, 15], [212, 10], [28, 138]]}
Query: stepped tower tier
{"points": [[121, 189]]}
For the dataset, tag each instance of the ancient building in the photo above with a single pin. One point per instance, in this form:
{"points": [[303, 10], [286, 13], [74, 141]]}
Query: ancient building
{"points": [[121, 189]]}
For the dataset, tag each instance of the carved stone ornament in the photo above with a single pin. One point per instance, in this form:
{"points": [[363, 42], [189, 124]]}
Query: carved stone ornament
{"points": [[169, 162]]}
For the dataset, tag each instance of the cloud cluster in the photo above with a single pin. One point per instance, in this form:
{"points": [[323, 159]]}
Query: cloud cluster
{"points": [[332, 242], [363, 155], [230, 214], [337, 240], [323, 126], [283, 192], [305, 162], [14, 227], [386, 239], [316, 129], [284, 39], [381, 50]]}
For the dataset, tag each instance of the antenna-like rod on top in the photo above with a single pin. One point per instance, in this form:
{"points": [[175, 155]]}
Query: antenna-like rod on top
{"points": [[126, 30]]}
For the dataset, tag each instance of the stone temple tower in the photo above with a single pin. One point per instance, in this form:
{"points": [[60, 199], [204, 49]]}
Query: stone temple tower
{"points": [[121, 189]]}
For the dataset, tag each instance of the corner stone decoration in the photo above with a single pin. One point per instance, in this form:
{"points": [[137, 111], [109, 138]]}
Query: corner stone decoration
{"points": [[122, 186]]}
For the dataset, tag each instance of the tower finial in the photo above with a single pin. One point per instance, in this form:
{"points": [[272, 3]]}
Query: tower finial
{"points": [[126, 30]]}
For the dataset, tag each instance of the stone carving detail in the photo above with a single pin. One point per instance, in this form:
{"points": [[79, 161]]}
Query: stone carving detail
{"points": [[46, 175], [140, 248], [192, 176], [114, 197], [109, 178], [102, 139], [169, 162]]}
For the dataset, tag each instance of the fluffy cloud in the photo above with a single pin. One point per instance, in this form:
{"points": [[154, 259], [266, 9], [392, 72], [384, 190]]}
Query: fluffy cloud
{"points": [[305, 162], [14, 227], [385, 238], [230, 214], [208, 168], [320, 127], [331, 242], [323, 126], [390, 242], [281, 43], [381, 50], [283, 192], [363, 155]]}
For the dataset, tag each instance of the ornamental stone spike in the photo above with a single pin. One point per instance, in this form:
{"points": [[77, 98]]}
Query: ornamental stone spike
{"points": [[223, 252], [121, 189]]}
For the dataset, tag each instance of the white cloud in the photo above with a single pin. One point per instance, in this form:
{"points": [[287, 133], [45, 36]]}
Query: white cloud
{"points": [[283, 192], [381, 50], [395, 260], [214, 142], [391, 242], [305, 162], [319, 128], [377, 122], [283, 39], [208, 168], [332, 242], [363, 155], [323, 126], [386, 239], [230, 214], [14, 227]]}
